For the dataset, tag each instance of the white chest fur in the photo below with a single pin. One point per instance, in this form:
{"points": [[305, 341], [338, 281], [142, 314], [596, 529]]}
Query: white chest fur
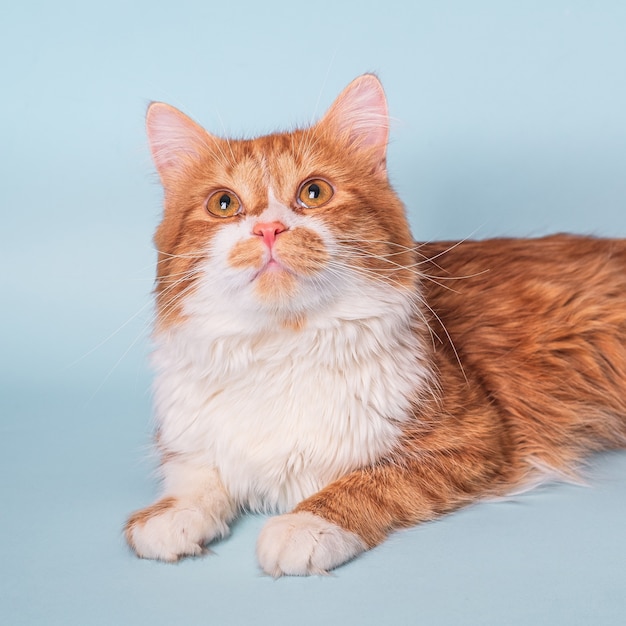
{"points": [[282, 413]]}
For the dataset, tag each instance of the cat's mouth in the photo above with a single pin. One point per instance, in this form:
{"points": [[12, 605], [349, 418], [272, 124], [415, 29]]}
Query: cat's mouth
{"points": [[272, 266], [274, 282]]}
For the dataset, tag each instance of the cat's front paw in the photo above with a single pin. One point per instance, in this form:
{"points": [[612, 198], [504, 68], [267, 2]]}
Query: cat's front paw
{"points": [[172, 528], [301, 544]]}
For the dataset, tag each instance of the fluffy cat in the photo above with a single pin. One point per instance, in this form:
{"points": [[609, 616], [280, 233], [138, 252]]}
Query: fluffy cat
{"points": [[312, 360]]}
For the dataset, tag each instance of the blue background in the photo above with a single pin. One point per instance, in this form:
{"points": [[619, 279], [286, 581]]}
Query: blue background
{"points": [[509, 119]]}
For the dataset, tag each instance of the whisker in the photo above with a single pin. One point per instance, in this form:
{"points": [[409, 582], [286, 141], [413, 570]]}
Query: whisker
{"points": [[417, 310], [110, 372], [109, 337], [165, 308], [230, 148], [369, 275], [168, 255], [398, 267], [381, 241]]}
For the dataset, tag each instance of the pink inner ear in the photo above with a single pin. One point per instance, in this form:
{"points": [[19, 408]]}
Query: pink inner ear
{"points": [[173, 138], [360, 112]]}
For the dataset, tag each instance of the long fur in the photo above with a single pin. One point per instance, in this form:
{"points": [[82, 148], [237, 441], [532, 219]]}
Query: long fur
{"points": [[343, 373]]}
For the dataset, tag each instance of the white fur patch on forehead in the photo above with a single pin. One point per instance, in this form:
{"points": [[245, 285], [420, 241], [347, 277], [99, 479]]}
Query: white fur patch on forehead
{"points": [[275, 211]]}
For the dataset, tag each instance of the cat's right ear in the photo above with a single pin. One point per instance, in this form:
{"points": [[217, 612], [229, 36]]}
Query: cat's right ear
{"points": [[175, 140]]}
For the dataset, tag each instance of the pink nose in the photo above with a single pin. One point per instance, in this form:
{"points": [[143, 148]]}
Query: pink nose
{"points": [[269, 231]]}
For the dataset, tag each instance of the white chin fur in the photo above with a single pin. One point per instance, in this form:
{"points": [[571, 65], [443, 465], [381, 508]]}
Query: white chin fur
{"points": [[301, 544]]}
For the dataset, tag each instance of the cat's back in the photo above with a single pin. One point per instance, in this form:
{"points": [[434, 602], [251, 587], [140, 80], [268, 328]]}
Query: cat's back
{"points": [[511, 278], [540, 325]]}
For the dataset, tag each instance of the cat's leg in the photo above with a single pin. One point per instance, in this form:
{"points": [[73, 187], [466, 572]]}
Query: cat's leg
{"points": [[193, 510], [358, 511]]}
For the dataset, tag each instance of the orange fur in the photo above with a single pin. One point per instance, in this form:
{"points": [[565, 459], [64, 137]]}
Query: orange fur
{"points": [[531, 373], [526, 338], [246, 254], [244, 165], [290, 246]]}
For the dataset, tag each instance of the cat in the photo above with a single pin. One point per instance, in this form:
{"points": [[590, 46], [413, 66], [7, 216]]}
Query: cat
{"points": [[311, 359]]}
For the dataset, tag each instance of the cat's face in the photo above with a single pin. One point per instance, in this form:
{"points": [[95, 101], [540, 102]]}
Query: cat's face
{"points": [[283, 225]]}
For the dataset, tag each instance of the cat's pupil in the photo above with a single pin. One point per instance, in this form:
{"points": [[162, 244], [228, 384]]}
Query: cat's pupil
{"points": [[314, 191], [224, 202]]}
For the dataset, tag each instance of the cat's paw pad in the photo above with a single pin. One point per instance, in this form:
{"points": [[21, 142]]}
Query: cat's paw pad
{"points": [[170, 529], [301, 544]]}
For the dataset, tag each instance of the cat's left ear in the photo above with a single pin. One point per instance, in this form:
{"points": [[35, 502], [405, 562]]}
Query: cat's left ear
{"points": [[359, 116]]}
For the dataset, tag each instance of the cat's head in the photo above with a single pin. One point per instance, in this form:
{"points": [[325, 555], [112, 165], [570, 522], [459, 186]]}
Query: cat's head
{"points": [[282, 227]]}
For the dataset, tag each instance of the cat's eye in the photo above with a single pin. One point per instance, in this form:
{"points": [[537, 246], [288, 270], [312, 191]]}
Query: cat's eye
{"points": [[314, 193], [223, 203]]}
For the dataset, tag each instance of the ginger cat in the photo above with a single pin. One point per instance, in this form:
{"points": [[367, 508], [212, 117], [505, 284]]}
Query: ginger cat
{"points": [[313, 360]]}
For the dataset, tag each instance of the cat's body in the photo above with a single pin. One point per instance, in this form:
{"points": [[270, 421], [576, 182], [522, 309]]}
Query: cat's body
{"points": [[312, 358]]}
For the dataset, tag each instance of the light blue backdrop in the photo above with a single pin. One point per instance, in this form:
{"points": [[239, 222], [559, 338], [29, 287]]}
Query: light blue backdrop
{"points": [[509, 119]]}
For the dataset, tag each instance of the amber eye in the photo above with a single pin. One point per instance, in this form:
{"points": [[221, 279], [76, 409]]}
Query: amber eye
{"points": [[314, 193], [223, 203]]}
